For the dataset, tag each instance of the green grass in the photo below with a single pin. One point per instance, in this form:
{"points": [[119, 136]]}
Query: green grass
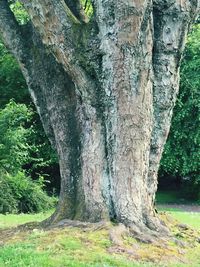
{"points": [[21, 255], [11, 220], [63, 248], [192, 219], [171, 197], [73, 247]]}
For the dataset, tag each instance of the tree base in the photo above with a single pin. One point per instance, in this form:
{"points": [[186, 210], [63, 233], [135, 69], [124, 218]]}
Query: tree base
{"points": [[162, 250], [152, 232]]}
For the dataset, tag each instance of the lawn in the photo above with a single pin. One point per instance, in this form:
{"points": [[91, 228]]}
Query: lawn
{"points": [[171, 197], [75, 247], [12, 220], [190, 218]]}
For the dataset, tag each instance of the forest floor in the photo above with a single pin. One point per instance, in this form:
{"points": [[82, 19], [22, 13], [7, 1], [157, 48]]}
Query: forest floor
{"points": [[91, 247]]}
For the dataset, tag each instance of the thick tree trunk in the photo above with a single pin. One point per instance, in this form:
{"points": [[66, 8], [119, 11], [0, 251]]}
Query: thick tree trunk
{"points": [[107, 112]]}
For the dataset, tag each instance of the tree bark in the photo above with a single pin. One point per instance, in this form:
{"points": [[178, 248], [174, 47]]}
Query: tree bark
{"points": [[105, 91]]}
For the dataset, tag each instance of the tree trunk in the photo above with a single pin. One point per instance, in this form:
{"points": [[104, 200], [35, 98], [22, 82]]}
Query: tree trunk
{"points": [[105, 91]]}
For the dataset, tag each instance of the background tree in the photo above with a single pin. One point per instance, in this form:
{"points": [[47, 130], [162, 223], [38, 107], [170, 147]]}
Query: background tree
{"points": [[105, 88]]}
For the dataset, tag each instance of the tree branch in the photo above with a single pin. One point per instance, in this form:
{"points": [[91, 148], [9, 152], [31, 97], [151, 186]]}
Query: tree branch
{"points": [[172, 20], [60, 30], [11, 32], [13, 37]]}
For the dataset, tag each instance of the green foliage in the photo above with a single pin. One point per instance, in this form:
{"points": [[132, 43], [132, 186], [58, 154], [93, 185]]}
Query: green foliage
{"points": [[23, 144], [18, 193], [87, 5], [12, 83], [19, 11], [41, 159], [181, 156], [14, 149], [41, 154]]}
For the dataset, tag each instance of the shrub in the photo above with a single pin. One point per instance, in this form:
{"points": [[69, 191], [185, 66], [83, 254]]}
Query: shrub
{"points": [[18, 193], [14, 149]]}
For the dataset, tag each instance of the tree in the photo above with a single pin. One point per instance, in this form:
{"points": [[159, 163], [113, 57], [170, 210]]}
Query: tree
{"points": [[104, 87]]}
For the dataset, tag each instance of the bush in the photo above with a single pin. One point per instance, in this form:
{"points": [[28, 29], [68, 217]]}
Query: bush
{"points": [[18, 193], [14, 149]]}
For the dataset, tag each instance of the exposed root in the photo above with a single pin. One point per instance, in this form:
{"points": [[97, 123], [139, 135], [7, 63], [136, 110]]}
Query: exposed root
{"points": [[7, 234], [117, 233], [141, 233], [152, 230], [53, 219], [163, 249], [157, 225], [181, 233], [141, 236], [83, 225]]}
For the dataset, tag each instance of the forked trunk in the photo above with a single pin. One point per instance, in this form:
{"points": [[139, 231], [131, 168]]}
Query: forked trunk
{"points": [[114, 134], [105, 91]]}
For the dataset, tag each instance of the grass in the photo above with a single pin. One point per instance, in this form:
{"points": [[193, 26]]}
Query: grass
{"points": [[60, 248], [12, 220], [190, 218], [171, 197], [74, 247]]}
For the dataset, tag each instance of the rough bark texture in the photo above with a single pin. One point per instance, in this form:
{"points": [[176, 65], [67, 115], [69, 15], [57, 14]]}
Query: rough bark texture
{"points": [[105, 91]]}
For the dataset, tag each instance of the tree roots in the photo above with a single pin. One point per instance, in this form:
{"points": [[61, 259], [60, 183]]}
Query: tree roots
{"points": [[124, 239]]}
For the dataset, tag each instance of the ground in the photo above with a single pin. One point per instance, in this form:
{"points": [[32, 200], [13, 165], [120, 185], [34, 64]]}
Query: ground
{"points": [[92, 246]]}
